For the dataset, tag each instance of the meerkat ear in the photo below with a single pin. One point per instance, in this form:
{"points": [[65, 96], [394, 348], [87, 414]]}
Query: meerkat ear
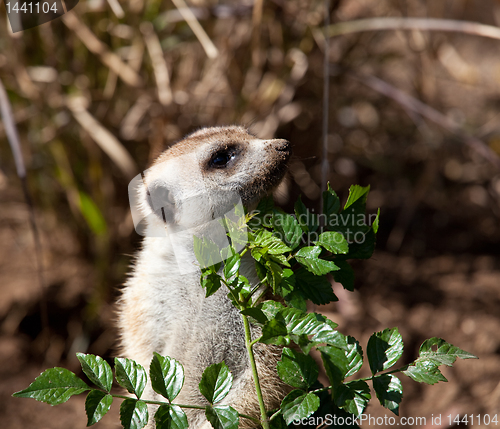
{"points": [[161, 201]]}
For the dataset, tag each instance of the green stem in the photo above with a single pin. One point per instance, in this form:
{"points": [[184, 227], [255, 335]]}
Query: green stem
{"points": [[248, 343], [196, 407]]}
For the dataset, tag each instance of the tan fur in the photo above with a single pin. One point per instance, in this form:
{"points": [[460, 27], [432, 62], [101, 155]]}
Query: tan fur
{"points": [[163, 308]]}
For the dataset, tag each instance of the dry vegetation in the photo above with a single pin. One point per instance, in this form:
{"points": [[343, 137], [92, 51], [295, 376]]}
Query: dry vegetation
{"points": [[98, 93]]}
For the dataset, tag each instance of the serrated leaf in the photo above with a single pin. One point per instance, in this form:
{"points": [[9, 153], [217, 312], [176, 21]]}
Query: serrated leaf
{"points": [[297, 369], [167, 376], [344, 276], [384, 349], [170, 417], [389, 391], [361, 246], [357, 193], [278, 422], [424, 372], [353, 397], [444, 353], [131, 376], [97, 405], [287, 284], [308, 221], [327, 333], [298, 405], [309, 258], [274, 274], [333, 241], [54, 386], [97, 370], [255, 313], [291, 323], [216, 382], [266, 205], [211, 282], [232, 265], [341, 363], [270, 242], [206, 251], [315, 288], [133, 414], [331, 202], [289, 229], [222, 417]]}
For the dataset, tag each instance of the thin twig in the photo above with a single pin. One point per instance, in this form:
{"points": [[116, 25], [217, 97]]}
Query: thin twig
{"points": [[411, 103], [325, 167], [424, 24], [198, 30], [107, 141], [256, 22], [159, 64], [94, 45]]}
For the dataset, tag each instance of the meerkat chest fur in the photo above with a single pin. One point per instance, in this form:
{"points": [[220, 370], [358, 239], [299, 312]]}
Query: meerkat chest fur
{"points": [[163, 308]]}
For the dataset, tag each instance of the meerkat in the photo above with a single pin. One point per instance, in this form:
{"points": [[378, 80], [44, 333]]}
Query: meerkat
{"points": [[163, 307]]}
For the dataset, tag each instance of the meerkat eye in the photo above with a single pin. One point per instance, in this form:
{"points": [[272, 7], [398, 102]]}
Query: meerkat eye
{"points": [[222, 158]]}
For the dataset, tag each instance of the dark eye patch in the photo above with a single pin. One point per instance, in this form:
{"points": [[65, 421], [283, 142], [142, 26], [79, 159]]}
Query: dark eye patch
{"points": [[222, 158]]}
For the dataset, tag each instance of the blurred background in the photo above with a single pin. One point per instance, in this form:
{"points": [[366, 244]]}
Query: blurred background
{"points": [[100, 92]]}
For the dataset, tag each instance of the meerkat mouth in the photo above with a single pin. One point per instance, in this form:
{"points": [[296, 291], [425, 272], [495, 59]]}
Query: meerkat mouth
{"points": [[275, 170]]}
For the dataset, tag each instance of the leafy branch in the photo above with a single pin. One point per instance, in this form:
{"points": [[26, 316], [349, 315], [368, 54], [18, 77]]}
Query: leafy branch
{"points": [[293, 255]]}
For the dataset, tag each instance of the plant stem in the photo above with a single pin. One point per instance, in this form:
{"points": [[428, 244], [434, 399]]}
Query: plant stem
{"points": [[248, 343], [196, 407]]}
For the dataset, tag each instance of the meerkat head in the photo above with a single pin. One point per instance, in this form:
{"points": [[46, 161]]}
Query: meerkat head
{"points": [[202, 177]]}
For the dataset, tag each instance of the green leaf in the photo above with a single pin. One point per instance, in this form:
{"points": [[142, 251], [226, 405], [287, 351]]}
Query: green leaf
{"points": [[376, 222], [424, 372], [298, 405], [353, 397], [341, 363], [274, 274], [273, 244], [357, 194], [97, 405], [222, 417], [362, 246], [297, 369], [333, 242], [344, 276], [232, 265], [316, 288], [97, 370], [389, 391], [309, 258], [287, 284], [170, 417], [384, 349], [167, 376], [266, 205], [133, 414], [211, 282], [216, 382], [331, 202], [327, 333], [206, 251], [255, 313], [293, 324], [93, 216], [131, 376], [308, 221], [439, 352], [288, 228], [54, 386]]}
